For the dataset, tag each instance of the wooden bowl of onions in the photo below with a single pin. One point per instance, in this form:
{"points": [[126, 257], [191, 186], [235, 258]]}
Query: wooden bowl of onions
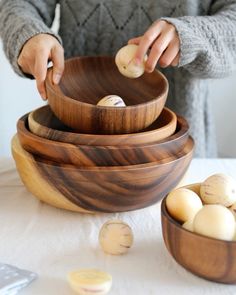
{"points": [[205, 245], [86, 80]]}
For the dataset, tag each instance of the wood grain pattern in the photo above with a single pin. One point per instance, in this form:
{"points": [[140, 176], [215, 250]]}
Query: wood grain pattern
{"points": [[107, 189], [81, 155], [87, 79], [36, 183], [44, 123], [209, 258]]}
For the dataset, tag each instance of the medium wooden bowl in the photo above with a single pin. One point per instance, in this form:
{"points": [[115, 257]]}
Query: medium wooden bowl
{"points": [[100, 189], [87, 79], [42, 122], [209, 258], [82, 155]]}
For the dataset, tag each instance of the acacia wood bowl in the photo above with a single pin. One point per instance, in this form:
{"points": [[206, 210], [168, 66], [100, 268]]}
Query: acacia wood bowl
{"points": [[44, 123], [100, 189], [206, 257], [88, 79], [82, 155]]}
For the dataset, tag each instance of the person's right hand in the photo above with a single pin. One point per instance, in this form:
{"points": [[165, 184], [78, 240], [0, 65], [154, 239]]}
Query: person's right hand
{"points": [[34, 58]]}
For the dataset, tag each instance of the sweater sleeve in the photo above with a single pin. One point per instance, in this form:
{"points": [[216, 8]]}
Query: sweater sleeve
{"points": [[208, 43], [22, 19]]}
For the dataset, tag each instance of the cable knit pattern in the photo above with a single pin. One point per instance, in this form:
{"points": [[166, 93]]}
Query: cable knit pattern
{"points": [[207, 31]]}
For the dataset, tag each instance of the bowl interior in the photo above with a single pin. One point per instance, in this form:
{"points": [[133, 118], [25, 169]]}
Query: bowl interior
{"points": [[88, 79], [207, 257], [195, 187]]}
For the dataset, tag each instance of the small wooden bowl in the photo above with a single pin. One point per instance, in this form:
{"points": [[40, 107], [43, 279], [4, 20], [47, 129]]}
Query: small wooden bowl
{"points": [[44, 123], [209, 258], [82, 155], [100, 189], [87, 79]]}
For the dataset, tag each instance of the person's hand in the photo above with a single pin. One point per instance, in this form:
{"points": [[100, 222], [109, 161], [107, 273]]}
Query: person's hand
{"points": [[163, 42], [34, 58]]}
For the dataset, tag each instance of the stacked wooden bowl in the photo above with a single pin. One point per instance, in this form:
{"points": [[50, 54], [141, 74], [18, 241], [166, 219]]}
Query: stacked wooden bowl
{"points": [[79, 156]]}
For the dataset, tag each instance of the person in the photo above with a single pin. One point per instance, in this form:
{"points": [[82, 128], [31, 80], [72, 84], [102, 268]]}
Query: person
{"points": [[191, 40]]}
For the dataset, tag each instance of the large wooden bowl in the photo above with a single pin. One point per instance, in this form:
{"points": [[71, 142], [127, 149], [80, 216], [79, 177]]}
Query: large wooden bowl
{"points": [[82, 155], [44, 123], [209, 258], [100, 189], [87, 79]]}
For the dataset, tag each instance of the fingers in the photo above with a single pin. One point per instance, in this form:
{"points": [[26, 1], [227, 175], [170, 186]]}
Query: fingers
{"points": [[157, 50], [57, 57], [169, 55], [163, 41], [147, 40], [175, 62], [34, 58], [40, 71], [135, 41]]}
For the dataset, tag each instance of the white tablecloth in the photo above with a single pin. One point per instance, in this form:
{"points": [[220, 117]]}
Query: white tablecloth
{"points": [[52, 242]]}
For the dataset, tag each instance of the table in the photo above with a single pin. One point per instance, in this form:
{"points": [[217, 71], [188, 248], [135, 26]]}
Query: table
{"points": [[52, 242]]}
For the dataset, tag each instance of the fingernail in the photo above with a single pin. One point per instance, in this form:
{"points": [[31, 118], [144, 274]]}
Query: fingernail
{"points": [[43, 95], [148, 69], [137, 61], [56, 78]]}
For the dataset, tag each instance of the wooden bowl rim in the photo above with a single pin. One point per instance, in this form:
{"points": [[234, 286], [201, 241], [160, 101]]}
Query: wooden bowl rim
{"points": [[23, 159], [58, 91], [127, 168], [177, 224], [175, 120]]}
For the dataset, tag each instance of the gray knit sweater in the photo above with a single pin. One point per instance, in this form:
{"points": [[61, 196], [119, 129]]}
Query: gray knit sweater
{"points": [[207, 31]]}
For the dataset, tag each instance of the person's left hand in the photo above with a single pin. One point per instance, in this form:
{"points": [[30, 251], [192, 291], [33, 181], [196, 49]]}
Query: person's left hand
{"points": [[163, 41]]}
